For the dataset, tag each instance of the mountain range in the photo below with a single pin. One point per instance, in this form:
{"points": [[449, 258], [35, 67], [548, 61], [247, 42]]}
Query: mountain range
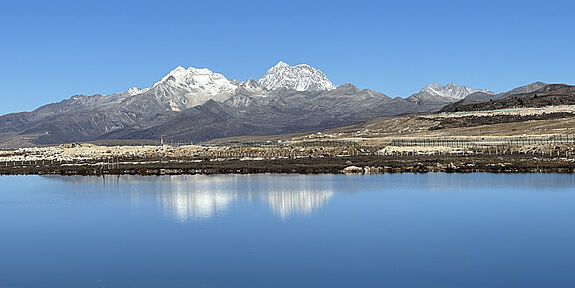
{"points": [[194, 105]]}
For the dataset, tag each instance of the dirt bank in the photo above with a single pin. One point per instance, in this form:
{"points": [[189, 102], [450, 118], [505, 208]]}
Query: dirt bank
{"points": [[361, 164]]}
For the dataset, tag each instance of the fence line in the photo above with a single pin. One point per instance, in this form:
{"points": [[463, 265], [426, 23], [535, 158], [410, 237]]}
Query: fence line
{"points": [[463, 143]]}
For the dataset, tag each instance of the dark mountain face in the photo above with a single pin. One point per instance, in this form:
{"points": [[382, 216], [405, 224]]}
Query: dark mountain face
{"points": [[549, 95], [483, 97], [85, 119], [18, 121], [479, 97], [282, 111]]}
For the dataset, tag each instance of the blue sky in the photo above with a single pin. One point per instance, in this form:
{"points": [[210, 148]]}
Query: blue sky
{"points": [[50, 50]]}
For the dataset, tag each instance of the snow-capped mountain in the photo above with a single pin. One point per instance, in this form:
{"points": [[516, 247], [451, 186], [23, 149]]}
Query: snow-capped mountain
{"points": [[185, 88], [197, 104], [300, 77], [197, 78], [451, 91]]}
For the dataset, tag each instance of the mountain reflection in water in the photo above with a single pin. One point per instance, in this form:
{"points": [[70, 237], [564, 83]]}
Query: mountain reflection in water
{"points": [[201, 197], [188, 198]]}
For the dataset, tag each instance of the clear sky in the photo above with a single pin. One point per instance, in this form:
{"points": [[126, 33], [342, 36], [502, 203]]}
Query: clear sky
{"points": [[51, 50]]}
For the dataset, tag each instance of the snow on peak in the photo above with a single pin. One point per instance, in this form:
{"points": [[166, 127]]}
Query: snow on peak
{"points": [[452, 91], [135, 91], [281, 64], [198, 78], [300, 77], [183, 88]]}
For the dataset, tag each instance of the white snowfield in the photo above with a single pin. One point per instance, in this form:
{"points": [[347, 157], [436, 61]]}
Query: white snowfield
{"points": [[194, 78], [300, 77]]}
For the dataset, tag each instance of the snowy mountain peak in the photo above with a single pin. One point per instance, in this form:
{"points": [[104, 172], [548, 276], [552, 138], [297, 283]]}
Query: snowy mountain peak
{"points": [[184, 88], [197, 78], [452, 91], [300, 77], [281, 64]]}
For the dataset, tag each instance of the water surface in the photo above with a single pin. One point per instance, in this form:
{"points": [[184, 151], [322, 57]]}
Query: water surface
{"points": [[403, 230]]}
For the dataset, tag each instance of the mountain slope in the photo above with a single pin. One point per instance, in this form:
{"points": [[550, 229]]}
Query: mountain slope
{"points": [[482, 97], [282, 111], [549, 95]]}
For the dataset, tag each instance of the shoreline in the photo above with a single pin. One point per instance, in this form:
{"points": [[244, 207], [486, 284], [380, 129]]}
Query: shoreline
{"points": [[361, 164]]}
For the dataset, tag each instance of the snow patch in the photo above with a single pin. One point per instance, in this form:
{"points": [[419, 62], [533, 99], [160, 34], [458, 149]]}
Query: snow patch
{"points": [[452, 91]]}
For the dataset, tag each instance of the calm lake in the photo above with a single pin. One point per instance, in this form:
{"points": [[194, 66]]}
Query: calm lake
{"points": [[402, 230]]}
